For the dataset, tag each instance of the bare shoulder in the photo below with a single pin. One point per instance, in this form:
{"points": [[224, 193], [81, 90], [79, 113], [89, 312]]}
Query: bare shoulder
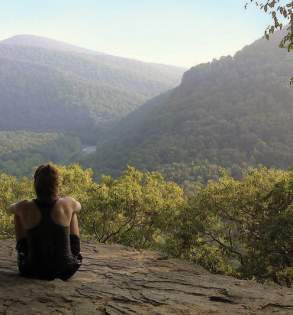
{"points": [[68, 200], [71, 202]]}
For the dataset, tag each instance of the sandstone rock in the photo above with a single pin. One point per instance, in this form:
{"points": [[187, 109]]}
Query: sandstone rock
{"points": [[117, 280]]}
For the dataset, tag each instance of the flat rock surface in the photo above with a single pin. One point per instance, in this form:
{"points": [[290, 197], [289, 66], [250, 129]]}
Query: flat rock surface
{"points": [[116, 280]]}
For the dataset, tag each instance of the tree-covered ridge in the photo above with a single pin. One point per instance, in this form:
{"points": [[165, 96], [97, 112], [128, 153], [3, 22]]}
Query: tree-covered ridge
{"points": [[237, 227], [22, 151], [233, 111], [41, 86], [18, 141]]}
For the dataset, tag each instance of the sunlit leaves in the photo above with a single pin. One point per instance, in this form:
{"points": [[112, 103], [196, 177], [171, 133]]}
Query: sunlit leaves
{"points": [[246, 224]]}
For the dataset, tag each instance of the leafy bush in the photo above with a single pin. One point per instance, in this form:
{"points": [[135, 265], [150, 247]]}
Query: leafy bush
{"points": [[242, 227]]}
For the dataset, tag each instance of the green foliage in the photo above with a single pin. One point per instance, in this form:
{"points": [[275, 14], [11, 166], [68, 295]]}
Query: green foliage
{"points": [[21, 151], [22, 140], [137, 209], [242, 227], [281, 13], [192, 175], [11, 190]]}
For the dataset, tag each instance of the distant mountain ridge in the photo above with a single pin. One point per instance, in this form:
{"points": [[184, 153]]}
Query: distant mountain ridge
{"points": [[49, 86], [233, 111], [44, 42]]}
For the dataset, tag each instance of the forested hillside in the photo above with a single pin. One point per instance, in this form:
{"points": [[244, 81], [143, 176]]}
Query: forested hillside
{"points": [[234, 112], [21, 151], [50, 86], [55, 97]]}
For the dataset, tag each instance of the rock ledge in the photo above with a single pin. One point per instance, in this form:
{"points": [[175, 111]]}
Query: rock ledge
{"points": [[117, 280]]}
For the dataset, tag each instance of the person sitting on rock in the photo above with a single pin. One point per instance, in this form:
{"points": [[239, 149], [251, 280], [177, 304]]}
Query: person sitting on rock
{"points": [[47, 232]]}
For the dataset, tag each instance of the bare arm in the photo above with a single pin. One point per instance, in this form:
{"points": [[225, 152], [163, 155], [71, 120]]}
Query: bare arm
{"points": [[16, 209], [74, 228], [77, 206]]}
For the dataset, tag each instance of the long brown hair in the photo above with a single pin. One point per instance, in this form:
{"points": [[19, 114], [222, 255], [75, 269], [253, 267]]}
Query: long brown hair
{"points": [[46, 182]]}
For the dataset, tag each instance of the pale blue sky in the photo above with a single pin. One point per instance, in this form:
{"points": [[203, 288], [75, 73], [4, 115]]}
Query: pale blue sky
{"points": [[179, 32]]}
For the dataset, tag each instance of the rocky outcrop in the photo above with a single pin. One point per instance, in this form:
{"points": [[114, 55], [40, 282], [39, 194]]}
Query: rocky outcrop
{"points": [[117, 280]]}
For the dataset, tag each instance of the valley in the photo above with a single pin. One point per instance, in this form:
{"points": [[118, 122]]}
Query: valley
{"points": [[53, 88], [234, 112]]}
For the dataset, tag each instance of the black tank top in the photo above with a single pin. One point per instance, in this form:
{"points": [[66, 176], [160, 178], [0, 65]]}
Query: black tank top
{"points": [[49, 243]]}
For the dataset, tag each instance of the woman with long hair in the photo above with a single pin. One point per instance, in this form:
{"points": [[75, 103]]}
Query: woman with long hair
{"points": [[46, 228]]}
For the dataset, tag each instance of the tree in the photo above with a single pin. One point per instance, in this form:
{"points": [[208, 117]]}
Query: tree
{"points": [[243, 228], [281, 13], [136, 209]]}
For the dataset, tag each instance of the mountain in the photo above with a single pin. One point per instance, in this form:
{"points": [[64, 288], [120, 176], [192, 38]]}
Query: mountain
{"points": [[50, 86], [231, 112], [46, 43]]}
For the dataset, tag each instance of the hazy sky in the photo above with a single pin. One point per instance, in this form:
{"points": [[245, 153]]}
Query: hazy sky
{"points": [[180, 32]]}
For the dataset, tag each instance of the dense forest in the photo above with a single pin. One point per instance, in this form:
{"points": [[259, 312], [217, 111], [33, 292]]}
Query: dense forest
{"points": [[22, 151], [48, 86], [236, 227], [232, 112]]}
